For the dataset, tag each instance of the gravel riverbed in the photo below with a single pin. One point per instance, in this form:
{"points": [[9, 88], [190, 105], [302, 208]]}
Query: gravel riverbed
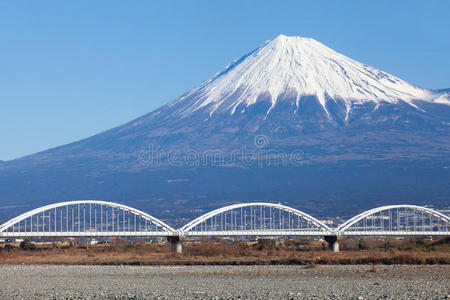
{"points": [[224, 282]]}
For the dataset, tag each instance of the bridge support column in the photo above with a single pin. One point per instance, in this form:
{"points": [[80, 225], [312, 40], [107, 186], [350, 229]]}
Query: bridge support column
{"points": [[332, 241], [175, 242]]}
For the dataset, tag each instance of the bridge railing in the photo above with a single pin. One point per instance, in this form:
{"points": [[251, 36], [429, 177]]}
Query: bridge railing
{"points": [[85, 218], [100, 218], [397, 220], [255, 219]]}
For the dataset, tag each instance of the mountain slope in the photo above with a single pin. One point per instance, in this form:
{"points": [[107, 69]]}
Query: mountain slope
{"points": [[288, 106]]}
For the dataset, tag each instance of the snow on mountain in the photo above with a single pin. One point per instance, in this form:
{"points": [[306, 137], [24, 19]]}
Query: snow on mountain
{"points": [[296, 67], [443, 98]]}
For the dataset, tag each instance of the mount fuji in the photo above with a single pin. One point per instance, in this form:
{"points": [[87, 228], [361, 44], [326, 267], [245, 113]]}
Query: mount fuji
{"points": [[295, 67], [359, 137]]}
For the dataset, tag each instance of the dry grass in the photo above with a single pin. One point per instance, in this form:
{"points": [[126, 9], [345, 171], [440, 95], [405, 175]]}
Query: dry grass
{"points": [[222, 252]]}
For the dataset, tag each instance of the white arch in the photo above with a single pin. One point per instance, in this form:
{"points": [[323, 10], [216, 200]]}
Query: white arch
{"points": [[367, 213], [213, 213], [137, 212]]}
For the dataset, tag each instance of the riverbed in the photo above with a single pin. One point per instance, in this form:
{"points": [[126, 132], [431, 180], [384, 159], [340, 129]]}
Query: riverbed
{"points": [[224, 282]]}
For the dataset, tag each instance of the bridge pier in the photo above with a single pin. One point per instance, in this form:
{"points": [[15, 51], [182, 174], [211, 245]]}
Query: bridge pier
{"points": [[332, 241], [175, 242]]}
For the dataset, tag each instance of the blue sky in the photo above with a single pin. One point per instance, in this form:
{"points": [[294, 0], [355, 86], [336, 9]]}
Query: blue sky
{"points": [[70, 69]]}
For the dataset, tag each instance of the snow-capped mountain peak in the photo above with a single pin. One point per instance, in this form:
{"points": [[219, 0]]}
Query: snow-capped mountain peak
{"points": [[294, 67]]}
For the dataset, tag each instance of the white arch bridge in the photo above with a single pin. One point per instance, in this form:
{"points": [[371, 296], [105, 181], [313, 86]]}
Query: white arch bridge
{"points": [[91, 218]]}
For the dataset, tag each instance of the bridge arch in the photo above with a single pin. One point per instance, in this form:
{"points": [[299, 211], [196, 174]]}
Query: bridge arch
{"points": [[257, 218], [397, 220], [85, 218]]}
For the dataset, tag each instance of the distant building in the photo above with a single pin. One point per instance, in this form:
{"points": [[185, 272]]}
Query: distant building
{"points": [[327, 222]]}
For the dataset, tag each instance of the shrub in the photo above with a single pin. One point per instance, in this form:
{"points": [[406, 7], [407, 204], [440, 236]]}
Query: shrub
{"points": [[388, 245], [27, 245], [266, 244], [9, 247], [420, 243], [362, 245]]}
